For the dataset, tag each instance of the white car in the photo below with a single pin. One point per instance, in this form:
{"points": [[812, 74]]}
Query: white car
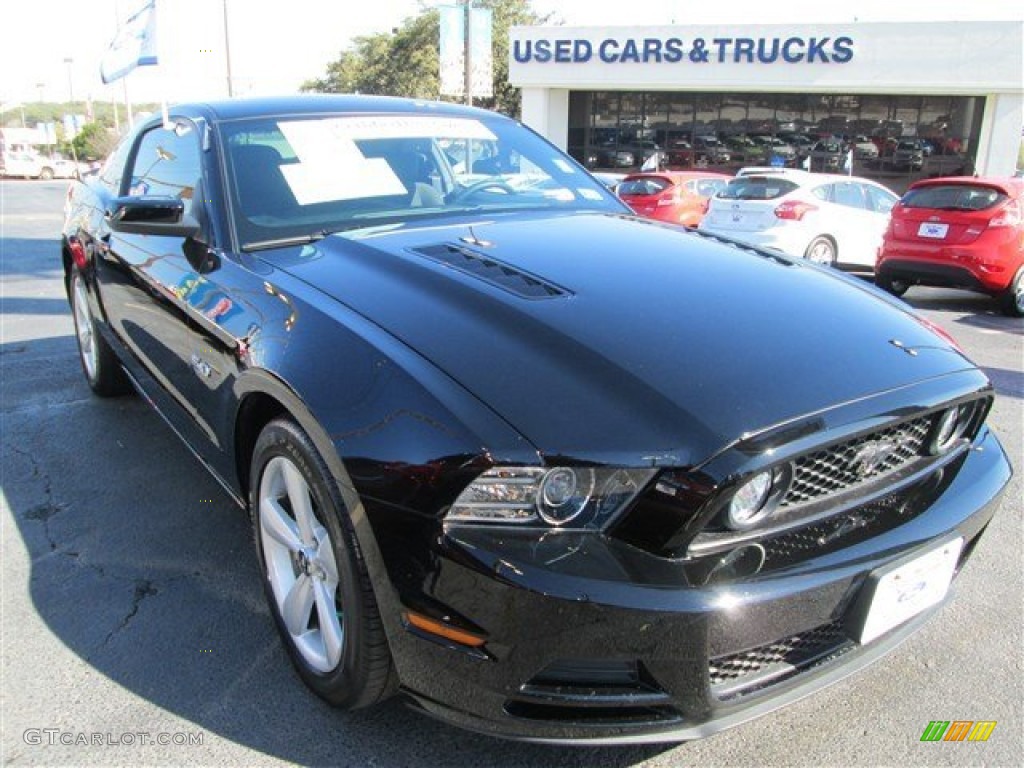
{"points": [[830, 219], [32, 166]]}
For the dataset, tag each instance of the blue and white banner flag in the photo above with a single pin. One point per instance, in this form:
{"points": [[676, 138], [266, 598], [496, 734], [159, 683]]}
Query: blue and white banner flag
{"points": [[134, 46]]}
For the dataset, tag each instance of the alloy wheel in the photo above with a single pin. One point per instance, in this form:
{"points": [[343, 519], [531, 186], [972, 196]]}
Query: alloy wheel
{"points": [[301, 568], [85, 329]]}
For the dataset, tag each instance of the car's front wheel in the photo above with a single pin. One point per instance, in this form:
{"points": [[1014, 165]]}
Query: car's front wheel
{"points": [[313, 571], [100, 365], [821, 250], [1013, 298]]}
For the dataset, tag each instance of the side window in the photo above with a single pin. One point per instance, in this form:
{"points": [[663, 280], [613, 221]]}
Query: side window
{"points": [[113, 168], [880, 200], [849, 194], [167, 163]]}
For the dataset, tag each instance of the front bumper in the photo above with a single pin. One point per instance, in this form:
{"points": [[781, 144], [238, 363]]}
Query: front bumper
{"points": [[646, 645]]}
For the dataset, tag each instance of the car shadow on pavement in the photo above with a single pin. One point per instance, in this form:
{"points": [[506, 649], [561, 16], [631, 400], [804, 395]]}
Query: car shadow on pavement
{"points": [[980, 311], [19, 305], [18, 251], [137, 562]]}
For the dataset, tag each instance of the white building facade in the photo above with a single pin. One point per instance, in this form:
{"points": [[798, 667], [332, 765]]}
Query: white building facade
{"points": [[934, 98]]}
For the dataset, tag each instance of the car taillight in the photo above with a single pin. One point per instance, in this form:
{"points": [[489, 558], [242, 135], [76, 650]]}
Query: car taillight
{"points": [[667, 197], [1008, 217], [793, 210]]}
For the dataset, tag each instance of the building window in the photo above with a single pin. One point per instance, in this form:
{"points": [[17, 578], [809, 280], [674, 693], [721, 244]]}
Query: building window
{"points": [[893, 139]]}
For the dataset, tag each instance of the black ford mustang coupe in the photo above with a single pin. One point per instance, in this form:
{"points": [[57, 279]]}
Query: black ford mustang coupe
{"points": [[551, 471]]}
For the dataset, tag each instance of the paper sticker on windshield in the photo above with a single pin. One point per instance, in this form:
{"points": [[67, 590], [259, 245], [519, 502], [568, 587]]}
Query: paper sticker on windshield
{"points": [[331, 167], [396, 127]]}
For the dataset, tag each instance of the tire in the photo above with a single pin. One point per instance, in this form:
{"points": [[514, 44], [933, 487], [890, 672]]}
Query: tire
{"points": [[895, 287], [821, 250], [309, 557], [100, 365], [46, 174], [1012, 300]]}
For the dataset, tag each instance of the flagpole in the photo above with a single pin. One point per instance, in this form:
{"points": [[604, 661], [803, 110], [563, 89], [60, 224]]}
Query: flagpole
{"points": [[227, 49]]}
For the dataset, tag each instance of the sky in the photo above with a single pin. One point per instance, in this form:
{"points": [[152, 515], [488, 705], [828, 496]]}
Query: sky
{"points": [[275, 46]]}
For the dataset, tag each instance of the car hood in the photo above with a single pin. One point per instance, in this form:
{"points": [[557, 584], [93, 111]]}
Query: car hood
{"points": [[610, 338]]}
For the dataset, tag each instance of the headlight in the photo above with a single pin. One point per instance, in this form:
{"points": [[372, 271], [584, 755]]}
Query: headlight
{"points": [[750, 502], [573, 497]]}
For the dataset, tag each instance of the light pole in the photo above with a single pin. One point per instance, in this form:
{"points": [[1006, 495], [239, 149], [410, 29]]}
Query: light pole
{"points": [[71, 87], [39, 87]]}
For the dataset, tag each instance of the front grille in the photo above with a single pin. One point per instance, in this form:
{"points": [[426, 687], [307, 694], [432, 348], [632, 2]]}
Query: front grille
{"points": [[839, 467], [746, 671]]}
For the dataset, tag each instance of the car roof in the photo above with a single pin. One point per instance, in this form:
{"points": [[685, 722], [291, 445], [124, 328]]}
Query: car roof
{"points": [[1008, 186], [677, 176], [312, 104], [804, 178]]}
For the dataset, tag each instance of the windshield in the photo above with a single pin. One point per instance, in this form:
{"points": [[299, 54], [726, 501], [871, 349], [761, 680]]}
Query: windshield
{"points": [[645, 185], [756, 188], [955, 197], [301, 176]]}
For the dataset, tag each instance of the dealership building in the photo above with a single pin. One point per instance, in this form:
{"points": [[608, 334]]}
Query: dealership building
{"points": [[915, 99]]}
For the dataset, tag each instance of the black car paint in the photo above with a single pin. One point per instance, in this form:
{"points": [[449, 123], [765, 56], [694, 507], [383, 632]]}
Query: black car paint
{"points": [[411, 377]]}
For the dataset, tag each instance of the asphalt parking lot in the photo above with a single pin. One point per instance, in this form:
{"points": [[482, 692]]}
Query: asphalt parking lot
{"points": [[132, 613]]}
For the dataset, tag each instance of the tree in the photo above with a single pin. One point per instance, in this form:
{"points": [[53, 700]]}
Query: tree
{"points": [[95, 141], [406, 63]]}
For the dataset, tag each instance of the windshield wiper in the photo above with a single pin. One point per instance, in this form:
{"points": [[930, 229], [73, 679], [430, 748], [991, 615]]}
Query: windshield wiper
{"points": [[284, 242]]}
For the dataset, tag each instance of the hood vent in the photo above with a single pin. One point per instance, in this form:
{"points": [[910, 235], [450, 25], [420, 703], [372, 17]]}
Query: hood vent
{"points": [[491, 270]]}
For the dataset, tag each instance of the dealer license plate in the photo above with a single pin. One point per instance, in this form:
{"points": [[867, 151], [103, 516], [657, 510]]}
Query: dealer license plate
{"points": [[902, 590], [933, 230]]}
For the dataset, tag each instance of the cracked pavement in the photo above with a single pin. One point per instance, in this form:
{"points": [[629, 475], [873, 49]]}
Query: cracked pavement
{"points": [[130, 603]]}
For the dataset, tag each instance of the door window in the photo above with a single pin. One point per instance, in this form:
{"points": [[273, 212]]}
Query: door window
{"points": [[167, 163]]}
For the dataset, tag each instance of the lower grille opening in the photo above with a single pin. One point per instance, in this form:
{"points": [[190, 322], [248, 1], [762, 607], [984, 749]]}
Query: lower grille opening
{"points": [[745, 672], [592, 716], [593, 691]]}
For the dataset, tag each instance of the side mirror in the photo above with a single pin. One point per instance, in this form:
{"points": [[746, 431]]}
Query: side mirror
{"points": [[151, 215]]}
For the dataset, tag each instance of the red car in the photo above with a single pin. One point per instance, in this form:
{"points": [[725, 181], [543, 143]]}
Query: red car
{"points": [[957, 232], [680, 197]]}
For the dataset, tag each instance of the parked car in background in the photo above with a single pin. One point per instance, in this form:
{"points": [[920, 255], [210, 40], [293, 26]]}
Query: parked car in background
{"points": [[958, 232], [863, 148], [29, 165], [710, 150], [830, 219], [612, 157], [545, 469], [744, 149], [680, 197], [827, 155], [775, 146], [908, 154], [609, 179]]}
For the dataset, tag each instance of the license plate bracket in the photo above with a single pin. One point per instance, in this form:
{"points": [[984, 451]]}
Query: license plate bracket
{"points": [[932, 230], [897, 592]]}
